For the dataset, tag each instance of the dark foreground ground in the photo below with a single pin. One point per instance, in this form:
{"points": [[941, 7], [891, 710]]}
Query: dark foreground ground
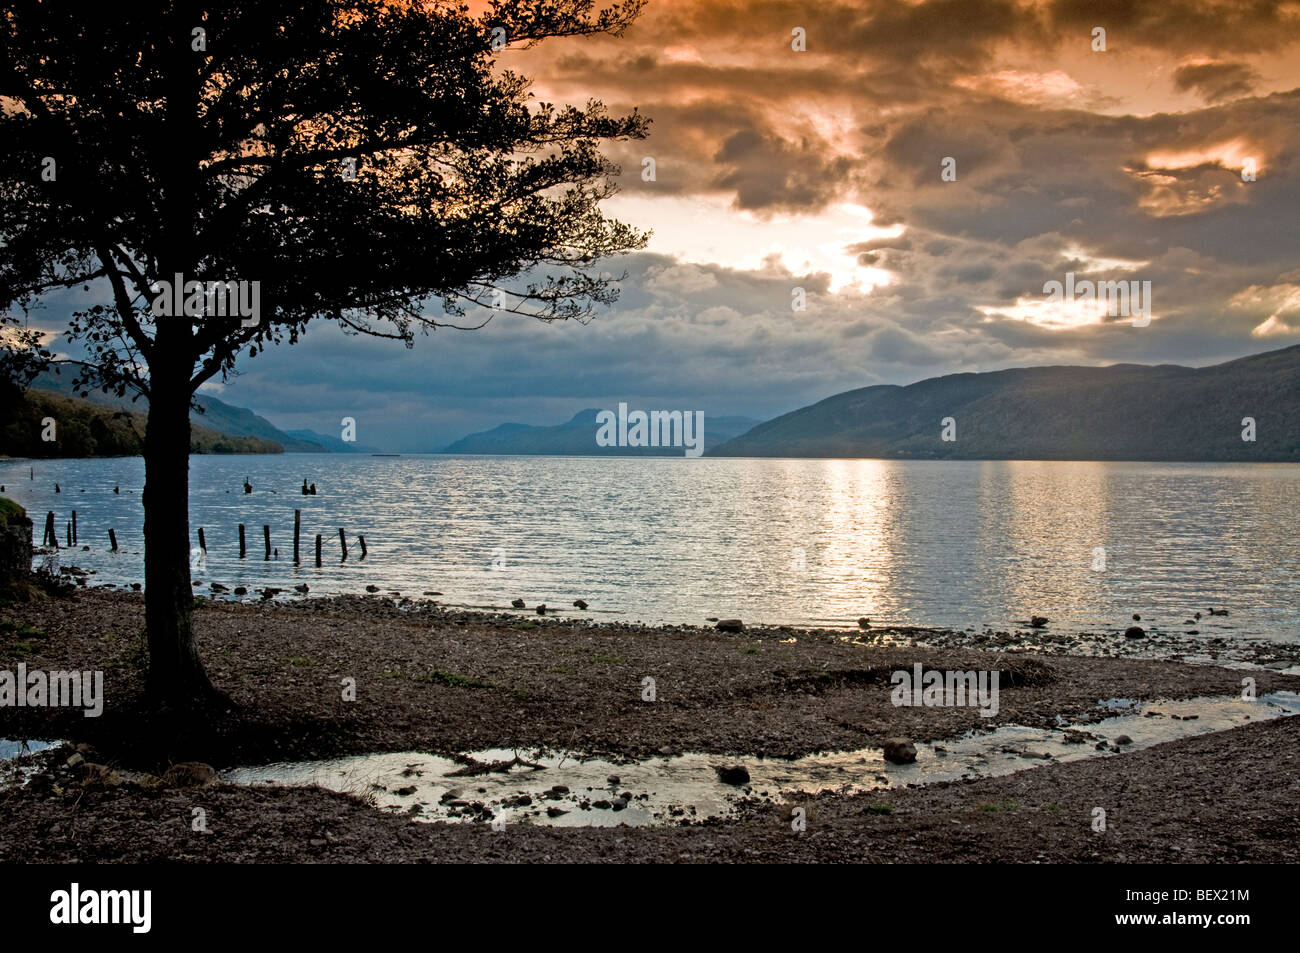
{"points": [[447, 682]]}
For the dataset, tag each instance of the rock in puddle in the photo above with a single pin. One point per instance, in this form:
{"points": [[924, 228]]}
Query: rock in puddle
{"points": [[899, 750]]}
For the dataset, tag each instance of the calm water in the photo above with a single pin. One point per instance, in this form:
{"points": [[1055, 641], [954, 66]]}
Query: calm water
{"points": [[779, 541]]}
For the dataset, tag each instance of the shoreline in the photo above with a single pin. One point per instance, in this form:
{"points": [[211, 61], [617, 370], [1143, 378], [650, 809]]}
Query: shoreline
{"points": [[1169, 644], [448, 682]]}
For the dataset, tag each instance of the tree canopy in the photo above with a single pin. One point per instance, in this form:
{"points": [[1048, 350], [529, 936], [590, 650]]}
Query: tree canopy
{"points": [[360, 160]]}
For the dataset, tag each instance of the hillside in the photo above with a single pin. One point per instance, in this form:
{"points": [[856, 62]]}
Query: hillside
{"points": [[217, 416], [86, 429], [1122, 412], [578, 437]]}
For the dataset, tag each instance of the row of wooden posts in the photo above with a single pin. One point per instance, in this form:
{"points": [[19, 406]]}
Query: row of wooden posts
{"points": [[51, 538]]}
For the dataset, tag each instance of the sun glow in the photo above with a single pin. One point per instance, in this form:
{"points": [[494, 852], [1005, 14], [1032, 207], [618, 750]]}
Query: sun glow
{"points": [[711, 231]]}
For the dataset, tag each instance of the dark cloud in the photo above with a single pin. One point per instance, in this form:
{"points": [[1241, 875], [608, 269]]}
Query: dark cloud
{"points": [[1216, 82], [772, 174], [1208, 27]]}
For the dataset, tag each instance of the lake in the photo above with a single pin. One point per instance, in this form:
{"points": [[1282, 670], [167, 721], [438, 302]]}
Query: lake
{"points": [[801, 542]]}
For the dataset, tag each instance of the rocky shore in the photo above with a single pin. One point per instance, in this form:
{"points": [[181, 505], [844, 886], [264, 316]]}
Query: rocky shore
{"points": [[447, 682]]}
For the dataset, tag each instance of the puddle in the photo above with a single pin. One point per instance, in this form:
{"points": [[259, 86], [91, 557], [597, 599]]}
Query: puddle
{"points": [[15, 765], [14, 748], [555, 789]]}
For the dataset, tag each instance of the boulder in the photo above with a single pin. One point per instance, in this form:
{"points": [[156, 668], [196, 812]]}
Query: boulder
{"points": [[189, 774], [899, 750], [1135, 632], [15, 550], [730, 625]]}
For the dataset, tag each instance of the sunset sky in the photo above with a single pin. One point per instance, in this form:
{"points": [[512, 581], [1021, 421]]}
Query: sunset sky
{"points": [[820, 169]]}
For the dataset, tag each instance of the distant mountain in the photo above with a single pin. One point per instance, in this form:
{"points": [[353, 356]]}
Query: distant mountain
{"points": [[578, 437], [328, 443], [241, 421], [218, 415], [1122, 412]]}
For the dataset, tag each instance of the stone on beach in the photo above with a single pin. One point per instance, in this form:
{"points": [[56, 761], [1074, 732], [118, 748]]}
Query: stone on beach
{"points": [[1037, 621], [517, 603], [1135, 632], [189, 774], [580, 604], [899, 750], [730, 625]]}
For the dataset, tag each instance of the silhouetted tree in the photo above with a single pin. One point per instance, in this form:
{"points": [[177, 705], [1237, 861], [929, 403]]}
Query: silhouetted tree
{"points": [[363, 162]]}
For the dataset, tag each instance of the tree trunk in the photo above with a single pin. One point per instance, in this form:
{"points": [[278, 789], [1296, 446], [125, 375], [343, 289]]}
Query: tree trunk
{"points": [[176, 676]]}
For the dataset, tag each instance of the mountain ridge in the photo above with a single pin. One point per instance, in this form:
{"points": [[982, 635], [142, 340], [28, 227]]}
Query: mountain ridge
{"points": [[1054, 412], [577, 437]]}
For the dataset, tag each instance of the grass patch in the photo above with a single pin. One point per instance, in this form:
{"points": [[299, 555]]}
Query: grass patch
{"points": [[9, 510], [753, 650], [607, 659], [451, 680], [881, 809], [24, 645], [302, 661], [995, 806]]}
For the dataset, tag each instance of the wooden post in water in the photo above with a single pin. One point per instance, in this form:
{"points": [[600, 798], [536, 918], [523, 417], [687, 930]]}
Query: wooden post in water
{"points": [[362, 541], [68, 531], [241, 541], [203, 543], [266, 535], [297, 524], [74, 526], [112, 540], [318, 550], [343, 542], [50, 539]]}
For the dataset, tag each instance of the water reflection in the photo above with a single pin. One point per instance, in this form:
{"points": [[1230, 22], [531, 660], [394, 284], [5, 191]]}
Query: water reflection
{"points": [[778, 541]]}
